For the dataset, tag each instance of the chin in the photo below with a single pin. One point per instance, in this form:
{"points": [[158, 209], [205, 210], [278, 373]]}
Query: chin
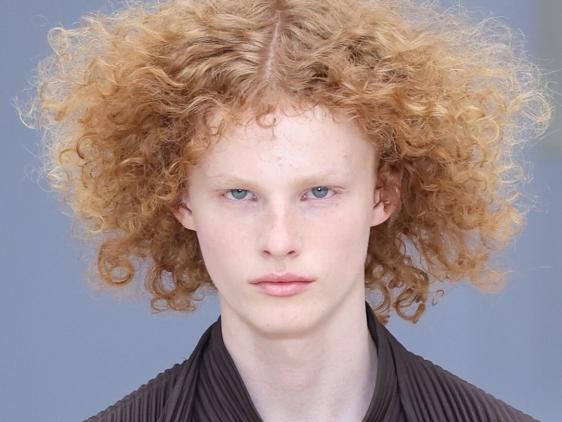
{"points": [[291, 322]]}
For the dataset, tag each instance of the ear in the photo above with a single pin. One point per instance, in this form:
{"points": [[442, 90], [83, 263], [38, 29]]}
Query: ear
{"points": [[387, 193], [183, 212]]}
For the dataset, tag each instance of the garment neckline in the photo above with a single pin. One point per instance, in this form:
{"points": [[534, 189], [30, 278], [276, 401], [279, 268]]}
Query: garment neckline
{"points": [[385, 379]]}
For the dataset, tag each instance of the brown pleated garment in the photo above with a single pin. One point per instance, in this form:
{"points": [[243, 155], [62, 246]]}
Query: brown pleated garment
{"points": [[208, 387]]}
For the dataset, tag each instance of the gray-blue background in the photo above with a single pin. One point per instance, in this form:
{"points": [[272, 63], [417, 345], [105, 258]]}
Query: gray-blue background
{"points": [[67, 353]]}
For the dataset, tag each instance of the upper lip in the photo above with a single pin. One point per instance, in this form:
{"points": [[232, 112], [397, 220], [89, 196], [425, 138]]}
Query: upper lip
{"points": [[280, 278]]}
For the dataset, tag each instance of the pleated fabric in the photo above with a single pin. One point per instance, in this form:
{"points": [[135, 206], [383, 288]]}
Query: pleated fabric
{"points": [[207, 387], [431, 393]]}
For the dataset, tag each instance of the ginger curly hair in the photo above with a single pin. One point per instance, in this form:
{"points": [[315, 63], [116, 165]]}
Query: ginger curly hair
{"points": [[124, 103]]}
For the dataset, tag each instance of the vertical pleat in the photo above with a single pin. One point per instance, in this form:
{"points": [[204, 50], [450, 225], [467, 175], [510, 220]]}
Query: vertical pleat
{"points": [[429, 393], [385, 404], [222, 394], [142, 405]]}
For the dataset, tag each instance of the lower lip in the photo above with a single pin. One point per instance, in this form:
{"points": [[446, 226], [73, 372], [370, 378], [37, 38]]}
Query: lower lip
{"points": [[283, 289]]}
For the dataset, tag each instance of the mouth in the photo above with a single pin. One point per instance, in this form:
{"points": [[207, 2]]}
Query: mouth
{"points": [[288, 288], [281, 278], [282, 284]]}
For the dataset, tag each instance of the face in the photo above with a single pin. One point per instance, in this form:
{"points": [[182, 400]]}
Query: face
{"points": [[301, 199]]}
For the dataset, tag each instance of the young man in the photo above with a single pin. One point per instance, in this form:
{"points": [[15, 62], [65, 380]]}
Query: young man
{"points": [[289, 155]]}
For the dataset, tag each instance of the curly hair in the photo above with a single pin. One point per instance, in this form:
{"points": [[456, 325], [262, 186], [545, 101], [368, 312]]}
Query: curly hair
{"points": [[125, 99]]}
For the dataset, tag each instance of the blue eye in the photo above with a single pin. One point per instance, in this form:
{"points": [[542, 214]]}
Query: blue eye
{"points": [[238, 191], [240, 194], [320, 187]]}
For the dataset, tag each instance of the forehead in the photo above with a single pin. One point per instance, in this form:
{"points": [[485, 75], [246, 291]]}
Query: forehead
{"points": [[295, 138]]}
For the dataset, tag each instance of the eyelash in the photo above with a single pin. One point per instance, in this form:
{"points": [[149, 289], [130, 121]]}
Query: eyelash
{"points": [[335, 192]]}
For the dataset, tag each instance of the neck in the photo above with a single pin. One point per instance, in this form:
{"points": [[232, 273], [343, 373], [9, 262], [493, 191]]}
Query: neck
{"points": [[327, 374]]}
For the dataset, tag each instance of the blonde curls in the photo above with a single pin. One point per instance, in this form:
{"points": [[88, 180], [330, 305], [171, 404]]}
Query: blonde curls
{"points": [[124, 103]]}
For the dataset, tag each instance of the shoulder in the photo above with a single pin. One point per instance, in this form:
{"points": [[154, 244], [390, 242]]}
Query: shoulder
{"points": [[467, 402], [146, 402], [433, 393]]}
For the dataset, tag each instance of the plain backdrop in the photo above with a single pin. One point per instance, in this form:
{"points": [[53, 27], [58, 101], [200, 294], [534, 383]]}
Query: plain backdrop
{"points": [[67, 353]]}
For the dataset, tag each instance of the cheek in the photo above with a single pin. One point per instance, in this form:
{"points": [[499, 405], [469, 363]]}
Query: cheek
{"points": [[346, 238], [223, 248]]}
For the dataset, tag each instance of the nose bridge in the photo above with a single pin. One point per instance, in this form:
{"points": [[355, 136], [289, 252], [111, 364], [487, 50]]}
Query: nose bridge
{"points": [[280, 231]]}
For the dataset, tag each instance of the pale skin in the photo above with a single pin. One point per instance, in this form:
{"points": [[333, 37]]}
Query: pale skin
{"points": [[307, 357]]}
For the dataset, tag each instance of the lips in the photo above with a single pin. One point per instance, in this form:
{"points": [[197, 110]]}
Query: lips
{"points": [[282, 288], [281, 278]]}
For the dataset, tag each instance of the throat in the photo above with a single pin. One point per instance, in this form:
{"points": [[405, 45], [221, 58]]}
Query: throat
{"points": [[330, 378]]}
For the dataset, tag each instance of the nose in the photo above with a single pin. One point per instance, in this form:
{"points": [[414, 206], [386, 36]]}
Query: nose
{"points": [[280, 234]]}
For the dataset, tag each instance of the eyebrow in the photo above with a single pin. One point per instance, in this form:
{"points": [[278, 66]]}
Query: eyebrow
{"points": [[330, 174]]}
